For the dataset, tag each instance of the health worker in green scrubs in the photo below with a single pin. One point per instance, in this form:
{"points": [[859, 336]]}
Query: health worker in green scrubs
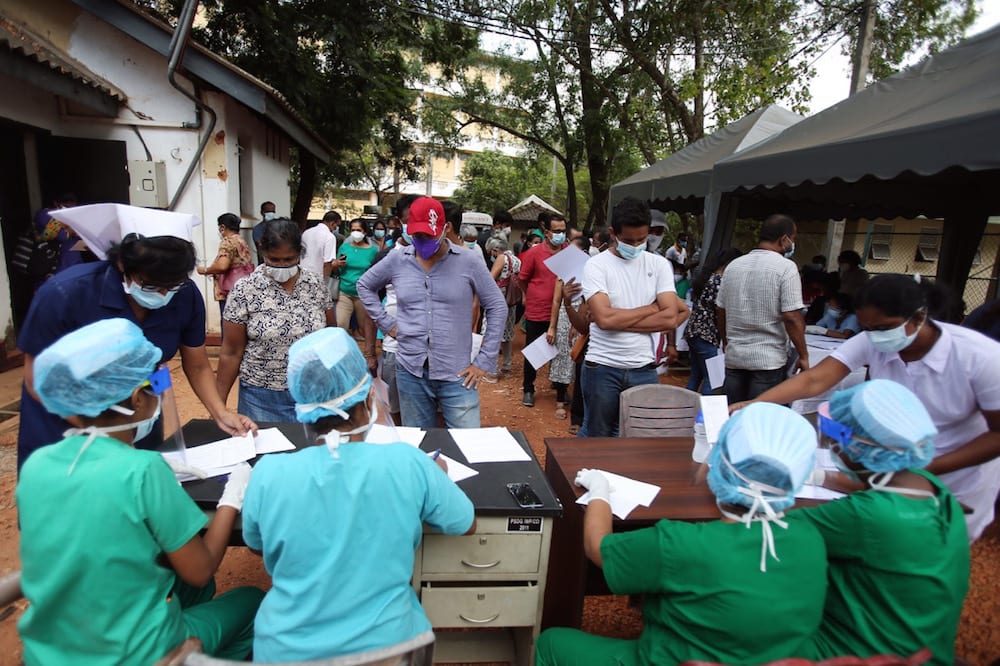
{"points": [[113, 566], [899, 553], [746, 589]]}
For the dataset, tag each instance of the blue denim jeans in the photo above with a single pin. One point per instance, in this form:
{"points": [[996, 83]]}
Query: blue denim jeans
{"points": [[602, 385], [419, 398], [701, 351], [266, 405]]}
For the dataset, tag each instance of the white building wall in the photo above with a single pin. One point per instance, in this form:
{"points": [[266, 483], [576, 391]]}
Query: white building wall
{"points": [[162, 116]]}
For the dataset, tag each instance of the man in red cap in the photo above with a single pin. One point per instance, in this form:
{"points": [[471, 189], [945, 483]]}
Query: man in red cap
{"points": [[435, 282]]}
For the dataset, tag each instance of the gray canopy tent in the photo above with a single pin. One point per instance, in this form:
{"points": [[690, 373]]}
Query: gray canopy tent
{"points": [[681, 181], [923, 142]]}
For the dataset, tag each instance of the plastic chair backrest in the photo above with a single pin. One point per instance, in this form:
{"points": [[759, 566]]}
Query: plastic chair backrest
{"points": [[657, 410], [418, 651]]}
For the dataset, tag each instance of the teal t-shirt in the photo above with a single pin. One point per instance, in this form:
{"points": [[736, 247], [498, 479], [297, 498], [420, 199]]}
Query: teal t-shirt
{"points": [[338, 537], [89, 545], [359, 260], [706, 597], [899, 571]]}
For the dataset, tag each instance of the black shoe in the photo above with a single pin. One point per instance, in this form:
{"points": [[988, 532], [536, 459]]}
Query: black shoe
{"points": [[529, 399]]}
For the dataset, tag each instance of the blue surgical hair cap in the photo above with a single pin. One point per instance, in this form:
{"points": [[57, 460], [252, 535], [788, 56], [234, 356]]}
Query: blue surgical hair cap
{"points": [[766, 444], [87, 371], [327, 375], [890, 415]]}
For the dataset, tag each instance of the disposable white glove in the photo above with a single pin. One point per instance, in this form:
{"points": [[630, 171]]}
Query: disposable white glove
{"points": [[817, 477], [594, 481], [236, 487], [813, 329], [183, 469]]}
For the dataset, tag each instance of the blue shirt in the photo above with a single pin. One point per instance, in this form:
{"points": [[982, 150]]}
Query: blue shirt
{"points": [[434, 310], [338, 537], [81, 295], [829, 321]]}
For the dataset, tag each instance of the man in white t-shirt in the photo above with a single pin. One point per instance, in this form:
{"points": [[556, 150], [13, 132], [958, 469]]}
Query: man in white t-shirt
{"points": [[631, 297], [319, 245], [759, 310], [677, 255]]}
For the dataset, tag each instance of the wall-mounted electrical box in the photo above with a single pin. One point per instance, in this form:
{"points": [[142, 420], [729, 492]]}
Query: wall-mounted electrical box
{"points": [[147, 183]]}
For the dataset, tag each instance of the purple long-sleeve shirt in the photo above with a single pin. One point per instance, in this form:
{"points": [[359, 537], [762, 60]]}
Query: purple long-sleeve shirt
{"points": [[434, 310]]}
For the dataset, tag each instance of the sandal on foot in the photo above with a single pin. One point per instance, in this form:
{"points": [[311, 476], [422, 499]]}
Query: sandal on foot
{"points": [[560, 410], [574, 429]]}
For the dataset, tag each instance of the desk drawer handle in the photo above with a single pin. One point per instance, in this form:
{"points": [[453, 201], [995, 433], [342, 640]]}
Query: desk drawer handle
{"points": [[475, 621], [480, 566]]}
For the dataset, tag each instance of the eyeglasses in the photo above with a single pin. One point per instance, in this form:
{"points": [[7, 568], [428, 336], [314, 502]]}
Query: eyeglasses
{"points": [[154, 288]]}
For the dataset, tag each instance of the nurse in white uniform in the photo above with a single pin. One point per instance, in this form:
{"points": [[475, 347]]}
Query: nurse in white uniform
{"points": [[954, 371]]}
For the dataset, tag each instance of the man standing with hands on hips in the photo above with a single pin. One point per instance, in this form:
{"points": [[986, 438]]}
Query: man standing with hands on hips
{"points": [[631, 296], [435, 282]]}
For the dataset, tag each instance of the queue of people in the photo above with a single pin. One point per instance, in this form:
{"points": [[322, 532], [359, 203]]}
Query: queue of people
{"points": [[884, 570]]}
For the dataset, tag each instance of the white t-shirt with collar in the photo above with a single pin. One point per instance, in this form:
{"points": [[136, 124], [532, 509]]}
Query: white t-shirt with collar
{"points": [[319, 246], [629, 283], [957, 378]]}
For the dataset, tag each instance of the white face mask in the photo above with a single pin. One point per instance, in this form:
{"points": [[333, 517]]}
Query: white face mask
{"points": [[344, 436], [653, 242], [282, 274], [142, 429], [357, 236], [895, 339]]}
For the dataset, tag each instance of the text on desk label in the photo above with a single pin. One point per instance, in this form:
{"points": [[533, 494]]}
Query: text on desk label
{"points": [[524, 523]]}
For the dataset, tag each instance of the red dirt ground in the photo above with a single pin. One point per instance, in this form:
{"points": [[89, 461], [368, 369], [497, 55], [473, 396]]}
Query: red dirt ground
{"points": [[979, 634]]}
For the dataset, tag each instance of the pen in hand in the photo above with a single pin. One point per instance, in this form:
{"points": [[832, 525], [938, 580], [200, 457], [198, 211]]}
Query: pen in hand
{"points": [[435, 455]]}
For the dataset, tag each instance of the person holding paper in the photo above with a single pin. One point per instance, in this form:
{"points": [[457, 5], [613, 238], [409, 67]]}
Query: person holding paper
{"points": [[898, 550], [562, 368], [112, 561], [746, 589], [631, 299], [953, 370], [338, 523], [147, 256], [539, 283], [435, 284], [702, 332]]}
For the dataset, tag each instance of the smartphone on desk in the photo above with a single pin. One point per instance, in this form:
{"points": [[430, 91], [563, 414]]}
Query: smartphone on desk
{"points": [[525, 497]]}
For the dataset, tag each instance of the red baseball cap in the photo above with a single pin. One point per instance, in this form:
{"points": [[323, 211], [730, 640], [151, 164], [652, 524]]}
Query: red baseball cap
{"points": [[426, 217]]}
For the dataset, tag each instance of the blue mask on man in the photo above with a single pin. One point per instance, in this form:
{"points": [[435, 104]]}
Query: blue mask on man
{"points": [[629, 252]]}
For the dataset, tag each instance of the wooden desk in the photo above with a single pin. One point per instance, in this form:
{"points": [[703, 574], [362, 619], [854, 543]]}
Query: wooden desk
{"points": [[665, 462]]}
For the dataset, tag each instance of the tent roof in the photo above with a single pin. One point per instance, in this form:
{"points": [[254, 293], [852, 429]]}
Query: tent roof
{"points": [[688, 172], [529, 208], [941, 116]]}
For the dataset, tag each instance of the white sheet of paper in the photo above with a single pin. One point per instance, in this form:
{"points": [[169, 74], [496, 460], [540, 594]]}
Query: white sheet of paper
{"points": [[823, 342], [716, 367], [271, 440], [626, 494], [715, 411], [477, 344], [824, 459], [410, 435], [568, 263], [209, 473], [539, 352], [223, 453], [456, 470], [810, 491], [382, 434], [482, 445], [682, 343]]}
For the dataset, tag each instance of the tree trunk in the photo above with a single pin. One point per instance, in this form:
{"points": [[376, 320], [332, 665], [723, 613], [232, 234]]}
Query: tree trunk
{"points": [[592, 123], [304, 192]]}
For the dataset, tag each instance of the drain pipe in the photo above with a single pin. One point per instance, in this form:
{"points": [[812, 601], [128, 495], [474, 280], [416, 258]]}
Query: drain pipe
{"points": [[178, 42]]}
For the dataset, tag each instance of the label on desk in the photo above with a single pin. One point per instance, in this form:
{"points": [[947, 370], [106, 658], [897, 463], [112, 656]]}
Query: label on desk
{"points": [[524, 523]]}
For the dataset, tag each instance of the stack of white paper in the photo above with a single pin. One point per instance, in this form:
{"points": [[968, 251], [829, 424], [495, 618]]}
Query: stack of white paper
{"points": [[271, 440], [482, 445], [216, 458], [568, 263], [810, 491], [715, 412], [626, 494]]}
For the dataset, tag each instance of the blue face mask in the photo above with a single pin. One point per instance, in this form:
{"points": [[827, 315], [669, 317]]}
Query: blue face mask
{"points": [[559, 238], [471, 245], [629, 252], [682, 243], [894, 340], [380, 233], [151, 300], [406, 237], [143, 428]]}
